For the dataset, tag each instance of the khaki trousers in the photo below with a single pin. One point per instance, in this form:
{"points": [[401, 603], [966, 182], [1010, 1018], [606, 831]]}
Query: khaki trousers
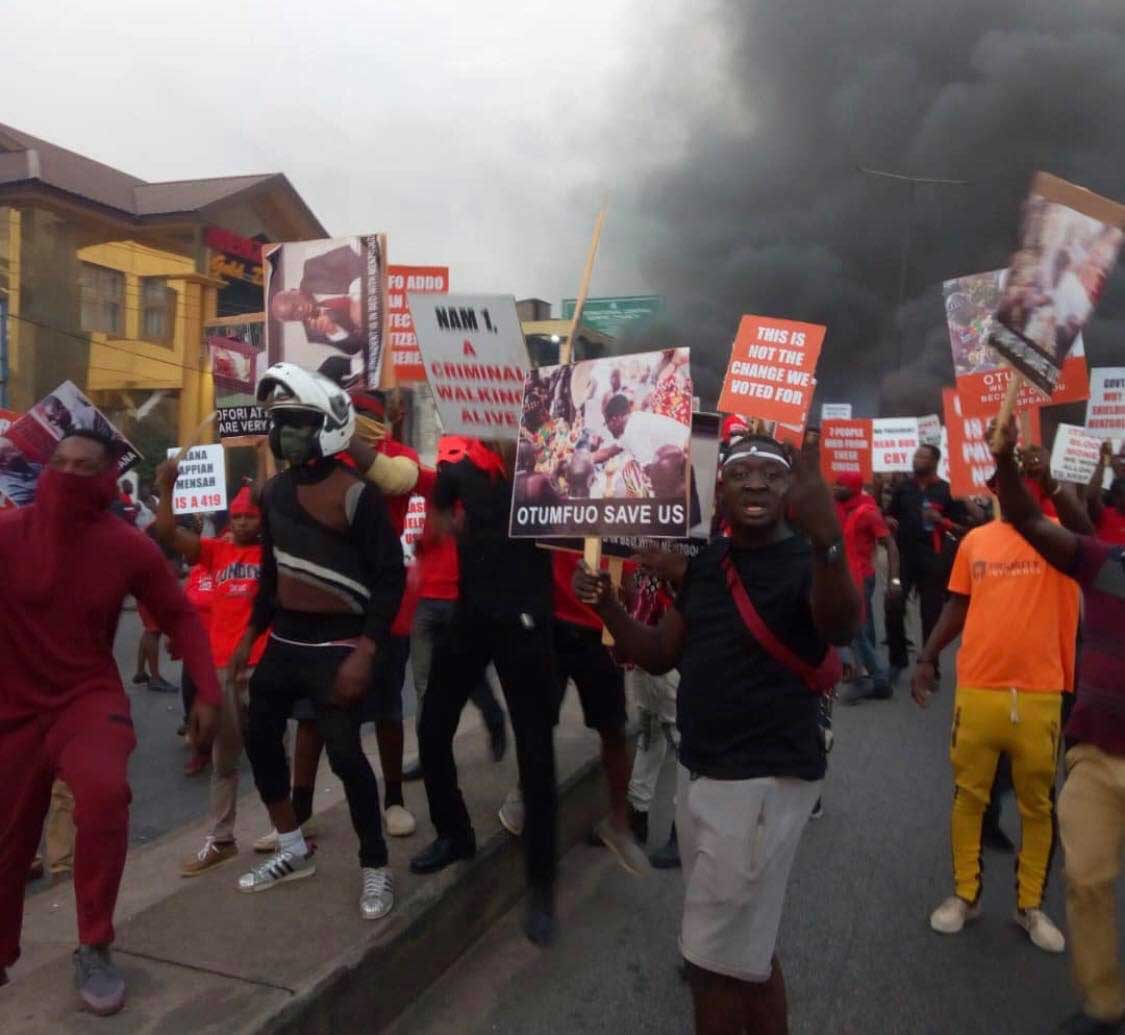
{"points": [[59, 835], [226, 753], [1092, 827]]}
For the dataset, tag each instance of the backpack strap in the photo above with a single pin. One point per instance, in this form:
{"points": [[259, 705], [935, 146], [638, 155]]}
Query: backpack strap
{"points": [[820, 679]]}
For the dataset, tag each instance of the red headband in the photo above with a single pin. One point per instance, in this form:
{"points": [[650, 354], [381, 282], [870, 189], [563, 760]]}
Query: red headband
{"points": [[243, 504]]}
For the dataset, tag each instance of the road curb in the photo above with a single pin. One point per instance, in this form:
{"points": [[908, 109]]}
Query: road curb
{"points": [[367, 991]]}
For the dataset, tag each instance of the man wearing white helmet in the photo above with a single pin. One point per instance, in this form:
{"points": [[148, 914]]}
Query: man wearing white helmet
{"points": [[331, 583]]}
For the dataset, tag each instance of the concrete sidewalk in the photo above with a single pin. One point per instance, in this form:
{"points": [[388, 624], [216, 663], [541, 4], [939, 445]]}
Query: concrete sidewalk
{"points": [[200, 956]]}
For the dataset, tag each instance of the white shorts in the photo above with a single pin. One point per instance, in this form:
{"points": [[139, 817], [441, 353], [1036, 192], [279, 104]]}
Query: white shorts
{"points": [[738, 839], [656, 694]]}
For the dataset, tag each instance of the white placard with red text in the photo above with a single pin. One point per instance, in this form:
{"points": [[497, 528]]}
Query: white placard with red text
{"points": [[893, 442], [412, 529], [476, 359], [201, 485], [1105, 412]]}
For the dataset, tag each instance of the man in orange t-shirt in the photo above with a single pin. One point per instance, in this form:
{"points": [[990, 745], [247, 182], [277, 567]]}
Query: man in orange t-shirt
{"points": [[234, 565], [1018, 621]]}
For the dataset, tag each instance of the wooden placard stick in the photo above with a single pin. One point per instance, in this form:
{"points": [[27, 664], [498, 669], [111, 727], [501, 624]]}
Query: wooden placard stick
{"points": [[1008, 406], [592, 546], [196, 436], [566, 349]]}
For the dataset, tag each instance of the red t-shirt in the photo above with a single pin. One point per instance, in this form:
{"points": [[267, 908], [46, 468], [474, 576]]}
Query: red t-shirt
{"points": [[200, 590], [568, 608], [864, 527], [435, 555], [235, 570], [1111, 526]]}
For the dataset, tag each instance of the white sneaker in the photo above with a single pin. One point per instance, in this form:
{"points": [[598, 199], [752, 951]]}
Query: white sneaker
{"points": [[378, 896], [953, 914], [278, 869], [400, 821], [1042, 932], [267, 843], [511, 812]]}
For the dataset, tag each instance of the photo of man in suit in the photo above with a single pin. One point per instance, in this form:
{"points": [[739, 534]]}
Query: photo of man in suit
{"points": [[328, 300]]}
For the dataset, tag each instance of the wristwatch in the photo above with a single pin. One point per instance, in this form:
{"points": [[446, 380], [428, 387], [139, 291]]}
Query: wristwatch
{"points": [[831, 553]]}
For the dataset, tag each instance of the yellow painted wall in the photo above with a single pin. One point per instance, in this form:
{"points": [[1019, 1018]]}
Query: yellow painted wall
{"points": [[131, 362]]}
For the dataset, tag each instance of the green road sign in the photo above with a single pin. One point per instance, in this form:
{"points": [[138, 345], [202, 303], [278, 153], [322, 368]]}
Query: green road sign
{"points": [[610, 315]]}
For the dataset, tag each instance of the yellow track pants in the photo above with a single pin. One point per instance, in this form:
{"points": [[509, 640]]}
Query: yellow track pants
{"points": [[1026, 727]]}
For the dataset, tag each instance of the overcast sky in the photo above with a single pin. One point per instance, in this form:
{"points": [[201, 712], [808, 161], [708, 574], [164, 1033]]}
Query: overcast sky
{"points": [[481, 134]]}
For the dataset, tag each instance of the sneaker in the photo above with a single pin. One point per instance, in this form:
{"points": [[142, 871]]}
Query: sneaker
{"points": [[162, 686], [993, 837], [196, 764], [817, 810], [624, 845], [267, 843], [668, 857], [140, 679], [98, 980], [378, 896], [279, 868], [953, 914], [211, 854], [400, 821], [1042, 932], [181, 730], [36, 869], [511, 812], [855, 692]]}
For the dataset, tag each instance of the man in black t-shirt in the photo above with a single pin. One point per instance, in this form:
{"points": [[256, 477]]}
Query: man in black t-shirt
{"points": [[927, 518], [503, 616], [751, 754]]}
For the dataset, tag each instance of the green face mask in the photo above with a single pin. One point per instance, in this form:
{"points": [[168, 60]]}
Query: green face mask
{"points": [[298, 445]]}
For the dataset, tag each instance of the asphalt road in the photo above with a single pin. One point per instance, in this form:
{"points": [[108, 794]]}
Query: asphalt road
{"points": [[856, 947]]}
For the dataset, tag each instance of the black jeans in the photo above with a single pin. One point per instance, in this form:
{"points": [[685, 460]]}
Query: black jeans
{"points": [[431, 623], [525, 663], [287, 673], [928, 573]]}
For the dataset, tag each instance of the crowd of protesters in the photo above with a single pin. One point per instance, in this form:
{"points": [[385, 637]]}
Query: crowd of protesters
{"points": [[302, 608]]}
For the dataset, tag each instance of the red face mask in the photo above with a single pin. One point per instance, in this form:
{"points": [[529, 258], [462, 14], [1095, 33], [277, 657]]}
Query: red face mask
{"points": [[66, 498]]}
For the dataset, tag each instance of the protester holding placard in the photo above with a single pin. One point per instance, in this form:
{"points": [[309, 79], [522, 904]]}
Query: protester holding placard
{"points": [[750, 633], [1018, 622], [234, 566], [68, 565]]}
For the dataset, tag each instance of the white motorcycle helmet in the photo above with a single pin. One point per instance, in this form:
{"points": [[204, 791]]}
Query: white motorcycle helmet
{"points": [[286, 386]]}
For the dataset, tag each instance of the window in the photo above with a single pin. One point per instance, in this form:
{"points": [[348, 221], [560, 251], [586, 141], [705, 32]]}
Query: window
{"points": [[103, 299], [158, 310]]}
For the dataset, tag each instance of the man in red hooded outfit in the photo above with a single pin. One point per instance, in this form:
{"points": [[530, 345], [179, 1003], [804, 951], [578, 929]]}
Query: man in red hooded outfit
{"points": [[68, 565]]}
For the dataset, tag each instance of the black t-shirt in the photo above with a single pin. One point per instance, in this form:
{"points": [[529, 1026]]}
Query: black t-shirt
{"points": [[916, 508], [500, 577], [742, 714]]}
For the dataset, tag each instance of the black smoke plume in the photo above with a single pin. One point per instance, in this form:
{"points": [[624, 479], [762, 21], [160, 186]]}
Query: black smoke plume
{"points": [[775, 216]]}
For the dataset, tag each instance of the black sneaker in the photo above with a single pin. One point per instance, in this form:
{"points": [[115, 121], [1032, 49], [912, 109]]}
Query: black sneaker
{"points": [[992, 837], [638, 823], [817, 810]]}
